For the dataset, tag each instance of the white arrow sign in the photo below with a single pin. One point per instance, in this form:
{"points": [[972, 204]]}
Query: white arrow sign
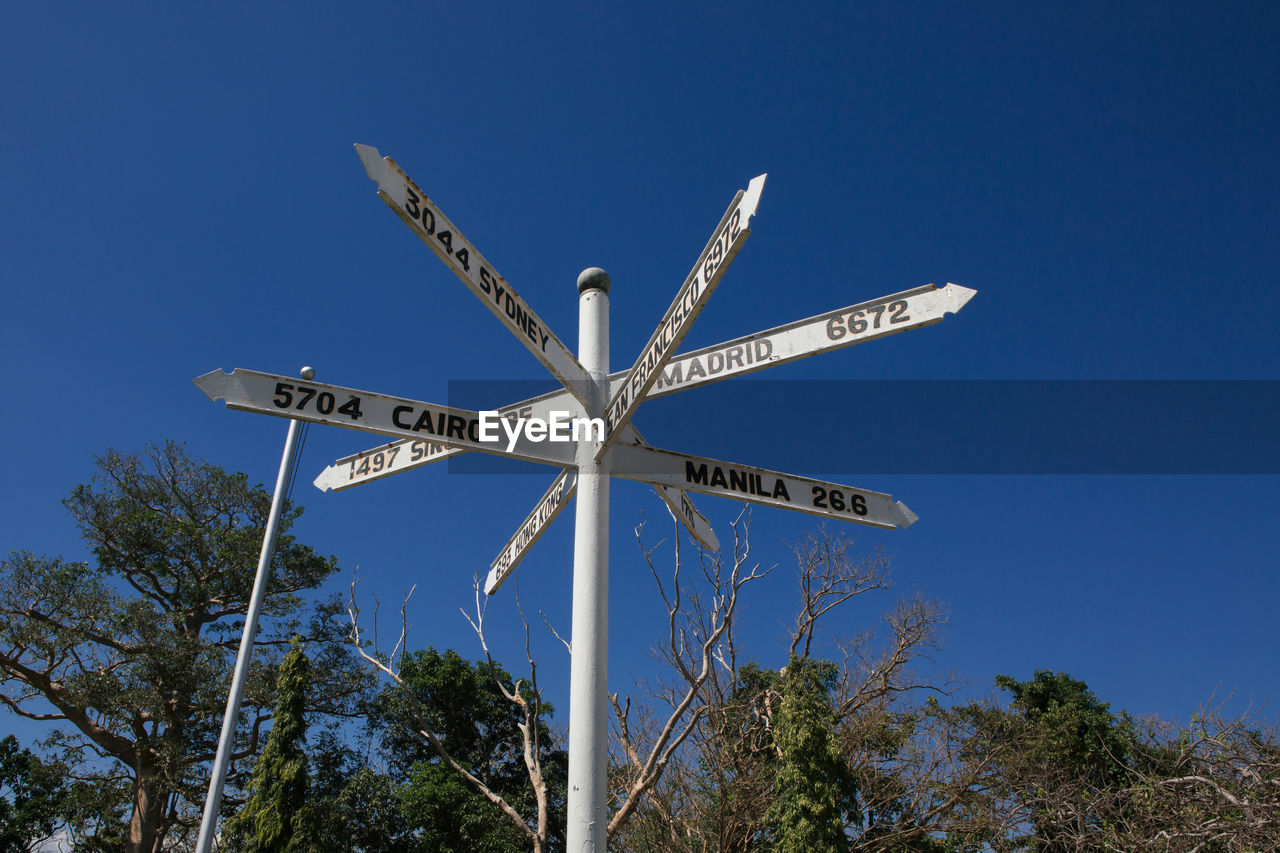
{"points": [[363, 467], [760, 485], [855, 324], [435, 229], [365, 411], [531, 529], [866, 321], [726, 240], [394, 457], [556, 498]]}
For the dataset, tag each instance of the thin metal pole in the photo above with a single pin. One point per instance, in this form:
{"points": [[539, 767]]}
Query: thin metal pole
{"points": [[589, 672], [213, 801]]}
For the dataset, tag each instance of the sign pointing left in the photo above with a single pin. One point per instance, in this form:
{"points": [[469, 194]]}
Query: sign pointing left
{"points": [[286, 397], [435, 229]]}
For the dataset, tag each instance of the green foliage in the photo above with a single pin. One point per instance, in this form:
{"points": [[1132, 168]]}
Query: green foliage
{"points": [[276, 817], [814, 791], [461, 704], [359, 810], [449, 816], [32, 797], [1072, 729], [1068, 740], [133, 651]]}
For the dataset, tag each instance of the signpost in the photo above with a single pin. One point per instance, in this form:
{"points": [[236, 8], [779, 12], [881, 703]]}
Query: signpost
{"points": [[425, 433], [436, 230], [366, 411], [760, 485], [712, 264], [537, 522], [844, 327]]}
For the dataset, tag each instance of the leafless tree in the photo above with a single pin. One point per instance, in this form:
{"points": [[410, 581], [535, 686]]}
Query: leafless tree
{"points": [[715, 793], [700, 650]]}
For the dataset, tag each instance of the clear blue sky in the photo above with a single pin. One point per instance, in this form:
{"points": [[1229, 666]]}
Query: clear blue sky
{"points": [[180, 194]]}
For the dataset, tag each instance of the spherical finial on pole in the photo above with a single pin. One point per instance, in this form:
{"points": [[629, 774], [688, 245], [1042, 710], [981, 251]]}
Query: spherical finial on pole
{"points": [[593, 278], [308, 373]]}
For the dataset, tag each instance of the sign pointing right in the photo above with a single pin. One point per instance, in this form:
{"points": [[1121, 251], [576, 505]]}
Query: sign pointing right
{"points": [[855, 324], [760, 485], [726, 241]]}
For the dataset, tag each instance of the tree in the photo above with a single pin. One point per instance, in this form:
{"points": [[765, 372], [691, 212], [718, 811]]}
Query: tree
{"points": [[276, 819], [465, 738], [134, 650], [814, 794], [1070, 741], [32, 797], [766, 748]]}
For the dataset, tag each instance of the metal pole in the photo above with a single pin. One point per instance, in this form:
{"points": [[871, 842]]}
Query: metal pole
{"points": [[589, 673], [213, 801]]}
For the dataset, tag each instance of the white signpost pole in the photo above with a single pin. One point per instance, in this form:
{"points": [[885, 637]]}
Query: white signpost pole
{"points": [[226, 742], [588, 820]]}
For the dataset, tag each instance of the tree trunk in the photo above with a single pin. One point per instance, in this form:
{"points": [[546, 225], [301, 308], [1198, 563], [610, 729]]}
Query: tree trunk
{"points": [[148, 812]]}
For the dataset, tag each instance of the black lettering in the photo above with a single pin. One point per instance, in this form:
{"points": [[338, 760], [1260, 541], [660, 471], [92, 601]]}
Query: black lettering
{"points": [[457, 424], [672, 376], [733, 358], [780, 490], [738, 481], [695, 475], [424, 422], [696, 369], [715, 362], [717, 478], [395, 417], [763, 348]]}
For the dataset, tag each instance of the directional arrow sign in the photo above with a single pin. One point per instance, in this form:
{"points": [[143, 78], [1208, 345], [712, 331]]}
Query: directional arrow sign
{"points": [[365, 411], [396, 456], [866, 321], [382, 461], [855, 324], [727, 239], [435, 229], [759, 485], [531, 529]]}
